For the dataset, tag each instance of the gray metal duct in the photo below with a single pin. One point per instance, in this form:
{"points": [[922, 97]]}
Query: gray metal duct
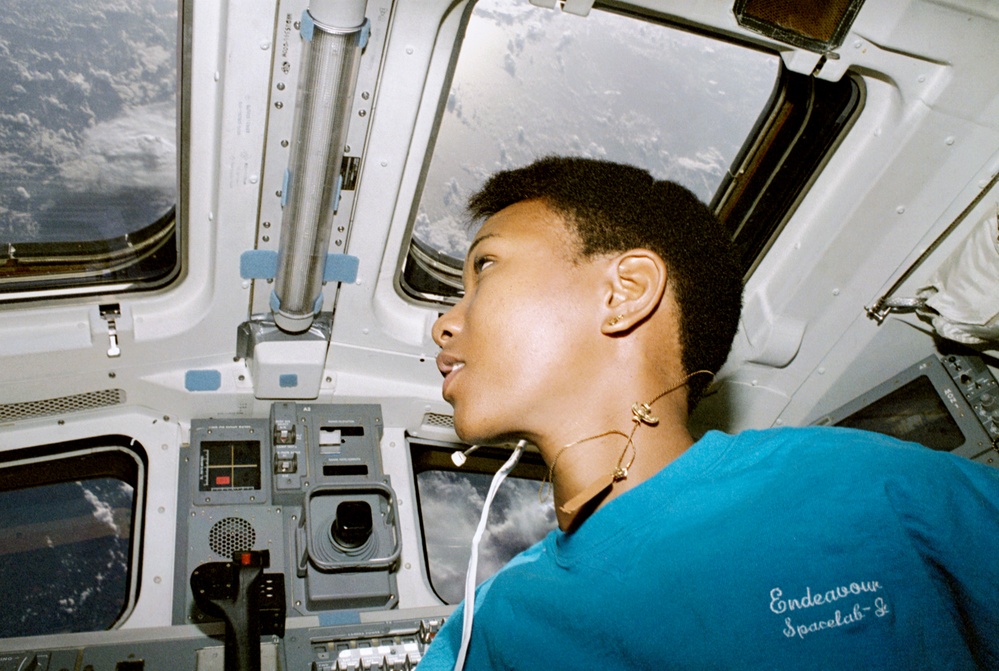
{"points": [[335, 32]]}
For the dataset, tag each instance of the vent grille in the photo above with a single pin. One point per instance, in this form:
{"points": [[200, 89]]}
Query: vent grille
{"points": [[92, 400], [231, 535], [433, 419]]}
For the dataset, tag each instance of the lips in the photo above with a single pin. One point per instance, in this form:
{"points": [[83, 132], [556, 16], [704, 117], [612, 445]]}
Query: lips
{"points": [[448, 365]]}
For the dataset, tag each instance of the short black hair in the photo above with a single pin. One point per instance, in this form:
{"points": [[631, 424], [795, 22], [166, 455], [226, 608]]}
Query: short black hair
{"points": [[614, 207]]}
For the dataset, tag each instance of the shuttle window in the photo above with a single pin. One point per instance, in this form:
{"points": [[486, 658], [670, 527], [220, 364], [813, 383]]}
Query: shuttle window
{"points": [[530, 81], [69, 558], [88, 159], [450, 505]]}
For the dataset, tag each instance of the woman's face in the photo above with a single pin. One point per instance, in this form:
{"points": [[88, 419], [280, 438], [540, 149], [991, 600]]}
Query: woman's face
{"points": [[516, 349]]}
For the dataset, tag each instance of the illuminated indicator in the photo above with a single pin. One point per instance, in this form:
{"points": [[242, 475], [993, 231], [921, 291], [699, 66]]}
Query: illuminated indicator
{"points": [[229, 465]]}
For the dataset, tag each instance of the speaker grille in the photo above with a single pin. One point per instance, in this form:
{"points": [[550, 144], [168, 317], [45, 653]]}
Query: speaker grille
{"points": [[92, 400], [232, 534], [819, 25], [438, 420]]}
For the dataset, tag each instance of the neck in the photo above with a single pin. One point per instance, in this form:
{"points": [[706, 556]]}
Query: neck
{"points": [[591, 471]]}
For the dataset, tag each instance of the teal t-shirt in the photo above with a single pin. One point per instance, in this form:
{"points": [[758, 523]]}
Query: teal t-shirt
{"points": [[810, 548]]}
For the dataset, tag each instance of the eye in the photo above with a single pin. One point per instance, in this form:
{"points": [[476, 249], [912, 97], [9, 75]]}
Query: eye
{"points": [[481, 263]]}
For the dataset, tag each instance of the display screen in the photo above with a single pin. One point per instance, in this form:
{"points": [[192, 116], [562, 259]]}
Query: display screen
{"points": [[913, 412], [230, 465]]}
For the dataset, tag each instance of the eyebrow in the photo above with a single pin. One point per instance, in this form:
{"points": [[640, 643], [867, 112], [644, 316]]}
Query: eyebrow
{"points": [[477, 241]]}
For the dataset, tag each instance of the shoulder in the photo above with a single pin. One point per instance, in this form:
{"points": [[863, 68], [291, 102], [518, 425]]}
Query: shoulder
{"points": [[817, 437], [819, 456], [837, 444]]}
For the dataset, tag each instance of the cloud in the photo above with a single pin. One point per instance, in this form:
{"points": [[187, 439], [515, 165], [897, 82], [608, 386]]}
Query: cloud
{"points": [[102, 510], [17, 225], [446, 233], [709, 160], [135, 150], [451, 504]]}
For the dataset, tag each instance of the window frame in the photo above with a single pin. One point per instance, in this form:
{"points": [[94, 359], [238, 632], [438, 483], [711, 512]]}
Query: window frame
{"points": [[146, 260], [751, 201], [805, 122], [111, 456], [430, 455], [53, 269]]}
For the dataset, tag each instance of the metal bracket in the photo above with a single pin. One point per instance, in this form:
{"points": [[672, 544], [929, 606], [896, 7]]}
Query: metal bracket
{"points": [[887, 305], [281, 364], [111, 312]]}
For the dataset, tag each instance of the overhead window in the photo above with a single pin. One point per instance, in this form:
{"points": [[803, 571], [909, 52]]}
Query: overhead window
{"points": [[71, 526], [451, 503], [88, 148], [806, 121], [530, 82]]}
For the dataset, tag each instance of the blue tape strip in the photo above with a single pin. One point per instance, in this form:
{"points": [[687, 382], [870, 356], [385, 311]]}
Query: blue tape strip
{"points": [[341, 268], [365, 33], [335, 617], [308, 26], [288, 380], [285, 185], [258, 264], [261, 264], [337, 191], [203, 380], [317, 307]]}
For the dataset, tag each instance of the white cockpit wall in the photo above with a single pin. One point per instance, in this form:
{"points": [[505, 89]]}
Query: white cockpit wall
{"points": [[924, 147]]}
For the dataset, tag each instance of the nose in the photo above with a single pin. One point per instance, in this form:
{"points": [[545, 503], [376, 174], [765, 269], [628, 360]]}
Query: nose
{"points": [[447, 325]]}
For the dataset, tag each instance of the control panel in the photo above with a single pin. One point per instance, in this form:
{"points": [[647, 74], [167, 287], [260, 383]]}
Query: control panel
{"points": [[382, 644], [287, 554], [305, 486], [979, 388], [948, 402]]}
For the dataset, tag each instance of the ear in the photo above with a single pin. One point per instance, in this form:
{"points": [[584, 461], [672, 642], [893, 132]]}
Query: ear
{"points": [[636, 285]]}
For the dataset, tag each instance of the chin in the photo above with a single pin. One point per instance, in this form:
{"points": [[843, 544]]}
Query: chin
{"points": [[461, 425], [468, 434], [475, 431]]}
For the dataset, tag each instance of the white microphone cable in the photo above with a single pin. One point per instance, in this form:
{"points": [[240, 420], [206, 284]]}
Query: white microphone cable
{"points": [[473, 560]]}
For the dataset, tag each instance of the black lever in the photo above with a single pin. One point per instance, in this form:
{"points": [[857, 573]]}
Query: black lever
{"points": [[249, 601]]}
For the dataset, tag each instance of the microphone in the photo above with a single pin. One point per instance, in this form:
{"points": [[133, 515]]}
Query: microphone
{"points": [[459, 458]]}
